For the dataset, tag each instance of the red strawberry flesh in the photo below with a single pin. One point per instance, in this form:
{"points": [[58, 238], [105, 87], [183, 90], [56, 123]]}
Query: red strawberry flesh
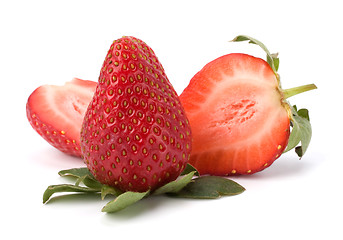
{"points": [[56, 113], [239, 122]]}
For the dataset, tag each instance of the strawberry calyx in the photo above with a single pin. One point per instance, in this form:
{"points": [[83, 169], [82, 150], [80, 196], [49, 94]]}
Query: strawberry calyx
{"points": [[189, 185], [299, 119]]}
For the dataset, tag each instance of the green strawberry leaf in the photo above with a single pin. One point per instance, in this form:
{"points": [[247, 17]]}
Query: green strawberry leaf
{"points": [[105, 190], [189, 168], [272, 59], [74, 172], [176, 185], [184, 186], [209, 187], [301, 131], [82, 175], [65, 188], [276, 61], [124, 200], [304, 113]]}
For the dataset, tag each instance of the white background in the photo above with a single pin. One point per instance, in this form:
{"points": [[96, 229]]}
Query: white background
{"points": [[50, 43]]}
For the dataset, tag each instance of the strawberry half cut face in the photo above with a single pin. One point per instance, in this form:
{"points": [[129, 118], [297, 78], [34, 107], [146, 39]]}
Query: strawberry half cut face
{"points": [[238, 118], [56, 113]]}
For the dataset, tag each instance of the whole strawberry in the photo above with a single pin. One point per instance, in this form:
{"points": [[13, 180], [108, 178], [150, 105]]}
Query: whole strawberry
{"points": [[135, 135]]}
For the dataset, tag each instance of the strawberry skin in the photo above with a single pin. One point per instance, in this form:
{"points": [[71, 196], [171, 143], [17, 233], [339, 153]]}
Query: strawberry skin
{"points": [[135, 135], [56, 113], [240, 122]]}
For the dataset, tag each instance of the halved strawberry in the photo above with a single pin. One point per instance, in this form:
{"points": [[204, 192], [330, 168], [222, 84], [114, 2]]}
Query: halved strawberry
{"points": [[56, 113], [239, 117]]}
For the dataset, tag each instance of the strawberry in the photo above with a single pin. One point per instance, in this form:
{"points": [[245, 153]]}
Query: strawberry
{"points": [[239, 115], [135, 135], [56, 113]]}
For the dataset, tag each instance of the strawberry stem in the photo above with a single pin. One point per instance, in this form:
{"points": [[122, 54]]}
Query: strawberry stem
{"points": [[287, 93]]}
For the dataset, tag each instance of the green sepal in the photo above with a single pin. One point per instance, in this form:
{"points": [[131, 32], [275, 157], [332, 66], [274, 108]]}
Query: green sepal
{"points": [[301, 131], [189, 168], [184, 186], [65, 188], [108, 190], [74, 172], [82, 175], [124, 200], [175, 186], [209, 187], [304, 113], [276, 61], [128, 198], [272, 58]]}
